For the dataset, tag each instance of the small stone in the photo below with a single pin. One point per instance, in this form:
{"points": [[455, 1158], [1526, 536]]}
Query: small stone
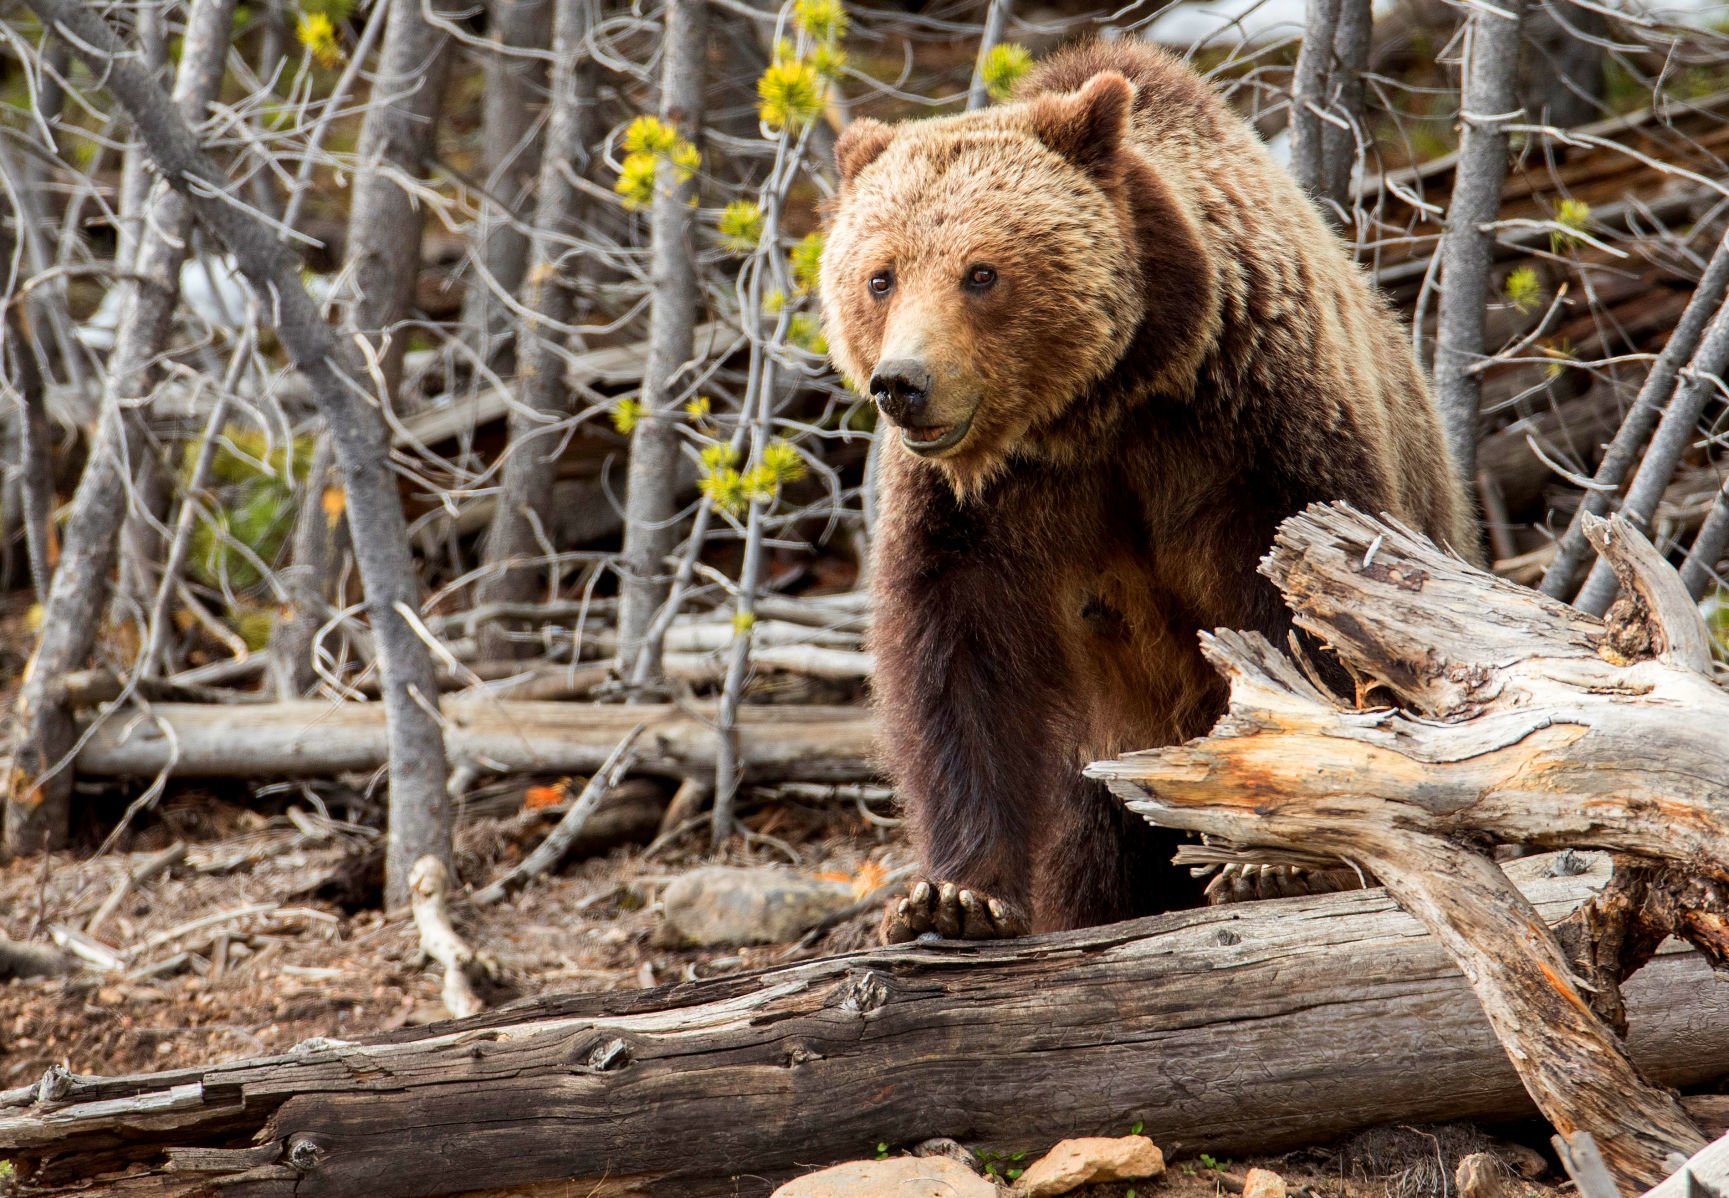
{"points": [[896, 1177], [1087, 1161], [1263, 1183], [1482, 1175], [724, 905]]}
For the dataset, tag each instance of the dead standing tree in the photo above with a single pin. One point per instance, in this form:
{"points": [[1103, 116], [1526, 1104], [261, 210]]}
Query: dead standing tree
{"points": [[385, 222], [419, 824], [40, 787], [1487, 104], [650, 489], [1518, 720], [530, 462]]}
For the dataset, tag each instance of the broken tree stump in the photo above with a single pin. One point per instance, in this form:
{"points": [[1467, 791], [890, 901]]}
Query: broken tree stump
{"points": [[1485, 714], [1256, 1027]]}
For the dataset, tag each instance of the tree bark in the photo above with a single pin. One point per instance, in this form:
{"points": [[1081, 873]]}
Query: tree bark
{"points": [[318, 739], [304, 600], [384, 223], [1309, 90], [419, 822], [515, 87], [1229, 1029], [1654, 395], [1675, 433], [1524, 722], [1352, 39], [39, 790], [996, 24], [530, 463], [1487, 105], [650, 494]]}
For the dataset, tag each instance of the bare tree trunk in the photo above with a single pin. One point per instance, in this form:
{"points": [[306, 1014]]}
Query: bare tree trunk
{"points": [[1309, 90], [1654, 396], [40, 787], [419, 822], [515, 84], [530, 464], [1487, 105], [25, 377], [1346, 92], [397, 136], [1566, 79], [996, 23], [1675, 432], [651, 491], [305, 600]]}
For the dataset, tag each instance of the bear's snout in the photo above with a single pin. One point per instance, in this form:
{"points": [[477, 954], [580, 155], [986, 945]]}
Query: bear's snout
{"points": [[901, 389]]}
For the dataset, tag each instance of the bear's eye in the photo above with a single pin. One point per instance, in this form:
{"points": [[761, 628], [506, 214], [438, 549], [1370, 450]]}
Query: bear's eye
{"points": [[881, 282], [980, 277]]}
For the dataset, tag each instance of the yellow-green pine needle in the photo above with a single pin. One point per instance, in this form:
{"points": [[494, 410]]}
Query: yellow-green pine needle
{"points": [[740, 226], [318, 34], [1571, 215], [635, 184], [789, 94], [1523, 289], [782, 459], [806, 262], [823, 20], [625, 413], [1004, 66], [719, 457]]}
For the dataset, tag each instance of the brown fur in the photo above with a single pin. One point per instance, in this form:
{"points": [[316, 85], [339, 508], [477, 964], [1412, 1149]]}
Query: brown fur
{"points": [[1177, 353]]}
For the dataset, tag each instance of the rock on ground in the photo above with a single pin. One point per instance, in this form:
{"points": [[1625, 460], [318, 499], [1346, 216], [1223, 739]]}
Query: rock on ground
{"points": [[896, 1177], [724, 905], [1075, 1163], [1263, 1183]]}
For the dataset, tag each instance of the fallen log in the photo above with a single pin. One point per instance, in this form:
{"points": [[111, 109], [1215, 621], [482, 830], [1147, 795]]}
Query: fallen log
{"points": [[1259, 1027], [1485, 713], [307, 739]]}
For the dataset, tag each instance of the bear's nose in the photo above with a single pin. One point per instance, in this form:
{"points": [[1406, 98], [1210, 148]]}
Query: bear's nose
{"points": [[900, 389]]}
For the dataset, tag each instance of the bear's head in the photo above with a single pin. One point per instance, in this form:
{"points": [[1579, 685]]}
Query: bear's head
{"points": [[983, 273]]}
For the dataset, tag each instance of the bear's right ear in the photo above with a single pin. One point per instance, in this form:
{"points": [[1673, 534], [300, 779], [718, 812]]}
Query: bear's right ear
{"points": [[1086, 126], [856, 148]]}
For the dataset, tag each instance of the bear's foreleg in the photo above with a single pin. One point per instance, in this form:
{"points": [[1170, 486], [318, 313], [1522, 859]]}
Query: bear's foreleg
{"points": [[976, 709]]}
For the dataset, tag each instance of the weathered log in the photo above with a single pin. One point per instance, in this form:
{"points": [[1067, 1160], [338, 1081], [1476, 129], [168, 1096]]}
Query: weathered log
{"points": [[315, 739], [1520, 721], [1253, 1027]]}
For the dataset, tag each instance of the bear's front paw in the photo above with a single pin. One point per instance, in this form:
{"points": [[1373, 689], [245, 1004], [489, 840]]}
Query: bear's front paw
{"points": [[1250, 883], [950, 911]]}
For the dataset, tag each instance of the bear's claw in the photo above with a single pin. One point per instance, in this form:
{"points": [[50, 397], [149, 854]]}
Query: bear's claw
{"points": [[950, 911], [1249, 883]]}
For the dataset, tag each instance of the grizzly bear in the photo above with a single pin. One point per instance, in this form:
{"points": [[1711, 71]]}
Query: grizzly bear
{"points": [[1115, 345]]}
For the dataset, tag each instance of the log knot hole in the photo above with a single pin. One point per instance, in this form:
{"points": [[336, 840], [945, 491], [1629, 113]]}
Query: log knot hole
{"points": [[609, 1056], [863, 992], [304, 1153]]}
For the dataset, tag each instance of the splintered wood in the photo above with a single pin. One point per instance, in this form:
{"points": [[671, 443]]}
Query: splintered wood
{"points": [[1485, 714]]}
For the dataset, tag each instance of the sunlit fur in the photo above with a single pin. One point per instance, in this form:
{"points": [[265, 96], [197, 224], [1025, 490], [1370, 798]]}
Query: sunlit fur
{"points": [[1177, 354]]}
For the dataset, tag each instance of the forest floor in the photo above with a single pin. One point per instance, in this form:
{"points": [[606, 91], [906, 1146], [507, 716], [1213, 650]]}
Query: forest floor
{"points": [[266, 932]]}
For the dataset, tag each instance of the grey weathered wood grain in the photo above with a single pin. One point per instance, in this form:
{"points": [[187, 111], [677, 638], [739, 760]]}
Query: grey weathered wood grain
{"points": [[1258, 1026], [309, 739]]}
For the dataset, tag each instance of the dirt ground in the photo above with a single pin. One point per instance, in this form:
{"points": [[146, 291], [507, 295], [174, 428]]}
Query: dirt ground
{"points": [[266, 932]]}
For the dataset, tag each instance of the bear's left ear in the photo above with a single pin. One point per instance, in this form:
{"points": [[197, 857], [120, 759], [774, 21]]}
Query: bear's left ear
{"points": [[1086, 126]]}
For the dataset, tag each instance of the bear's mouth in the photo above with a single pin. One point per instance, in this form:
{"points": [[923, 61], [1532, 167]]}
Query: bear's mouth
{"points": [[934, 439]]}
